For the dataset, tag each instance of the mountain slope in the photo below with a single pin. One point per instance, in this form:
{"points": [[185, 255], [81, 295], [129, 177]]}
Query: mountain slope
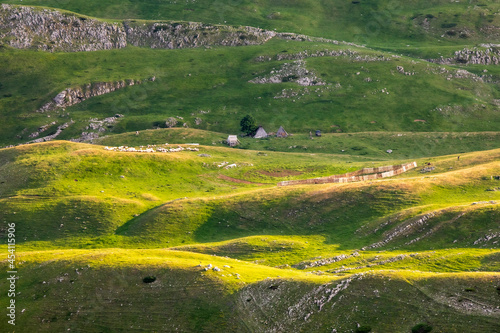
{"points": [[365, 21]]}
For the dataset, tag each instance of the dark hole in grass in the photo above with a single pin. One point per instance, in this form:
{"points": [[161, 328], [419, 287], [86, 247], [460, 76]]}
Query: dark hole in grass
{"points": [[273, 287], [149, 279]]}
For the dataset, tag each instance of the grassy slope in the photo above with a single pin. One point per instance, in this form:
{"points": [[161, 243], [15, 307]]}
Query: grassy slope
{"points": [[216, 80], [64, 195], [277, 227], [93, 291], [370, 21], [76, 196], [404, 145], [101, 190]]}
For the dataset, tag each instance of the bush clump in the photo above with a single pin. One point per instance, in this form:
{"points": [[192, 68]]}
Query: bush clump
{"points": [[421, 328], [363, 329]]}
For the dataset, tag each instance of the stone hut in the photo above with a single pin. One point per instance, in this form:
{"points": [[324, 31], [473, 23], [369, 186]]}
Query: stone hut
{"points": [[281, 133], [232, 140], [261, 133]]}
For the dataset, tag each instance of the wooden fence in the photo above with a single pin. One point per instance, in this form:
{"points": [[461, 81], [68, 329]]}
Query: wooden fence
{"points": [[356, 176]]}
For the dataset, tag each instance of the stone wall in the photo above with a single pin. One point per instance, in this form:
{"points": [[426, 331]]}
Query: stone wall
{"points": [[356, 176]]}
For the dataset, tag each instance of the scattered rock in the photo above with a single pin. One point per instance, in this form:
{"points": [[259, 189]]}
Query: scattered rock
{"points": [[427, 169], [291, 72]]}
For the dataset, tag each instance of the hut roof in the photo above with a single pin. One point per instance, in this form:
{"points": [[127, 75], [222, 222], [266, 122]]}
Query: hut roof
{"points": [[281, 132], [261, 133]]}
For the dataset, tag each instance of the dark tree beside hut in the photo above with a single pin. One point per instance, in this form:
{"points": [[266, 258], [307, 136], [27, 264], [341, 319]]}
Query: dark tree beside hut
{"points": [[248, 125]]}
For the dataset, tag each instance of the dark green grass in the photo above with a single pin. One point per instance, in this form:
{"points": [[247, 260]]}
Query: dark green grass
{"points": [[216, 80], [102, 291]]}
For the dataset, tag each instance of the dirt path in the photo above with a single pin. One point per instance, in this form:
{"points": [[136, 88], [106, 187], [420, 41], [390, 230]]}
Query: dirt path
{"points": [[241, 181]]}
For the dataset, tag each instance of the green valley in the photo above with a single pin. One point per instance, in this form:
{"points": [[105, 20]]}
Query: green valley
{"points": [[130, 212]]}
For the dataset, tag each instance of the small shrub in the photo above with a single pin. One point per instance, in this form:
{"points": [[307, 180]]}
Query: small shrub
{"points": [[421, 328], [363, 329], [149, 279], [448, 25]]}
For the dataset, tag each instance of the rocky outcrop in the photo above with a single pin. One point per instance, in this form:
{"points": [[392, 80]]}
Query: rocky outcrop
{"points": [[401, 70], [490, 55], [53, 136], [403, 229], [51, 30], [96, 127], [353, 55], [72, 96], [176, 35], [55, 31], [291, 72]]}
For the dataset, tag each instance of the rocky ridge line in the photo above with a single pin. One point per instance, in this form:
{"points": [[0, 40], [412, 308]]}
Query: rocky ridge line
{"points": [[55, 31], [176, 35], [50, 30]]}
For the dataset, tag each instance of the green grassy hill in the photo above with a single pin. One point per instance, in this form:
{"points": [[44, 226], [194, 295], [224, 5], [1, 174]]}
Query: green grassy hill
{"points": [[209, 89], [194, 236], [304, 251], [104, 291]]}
